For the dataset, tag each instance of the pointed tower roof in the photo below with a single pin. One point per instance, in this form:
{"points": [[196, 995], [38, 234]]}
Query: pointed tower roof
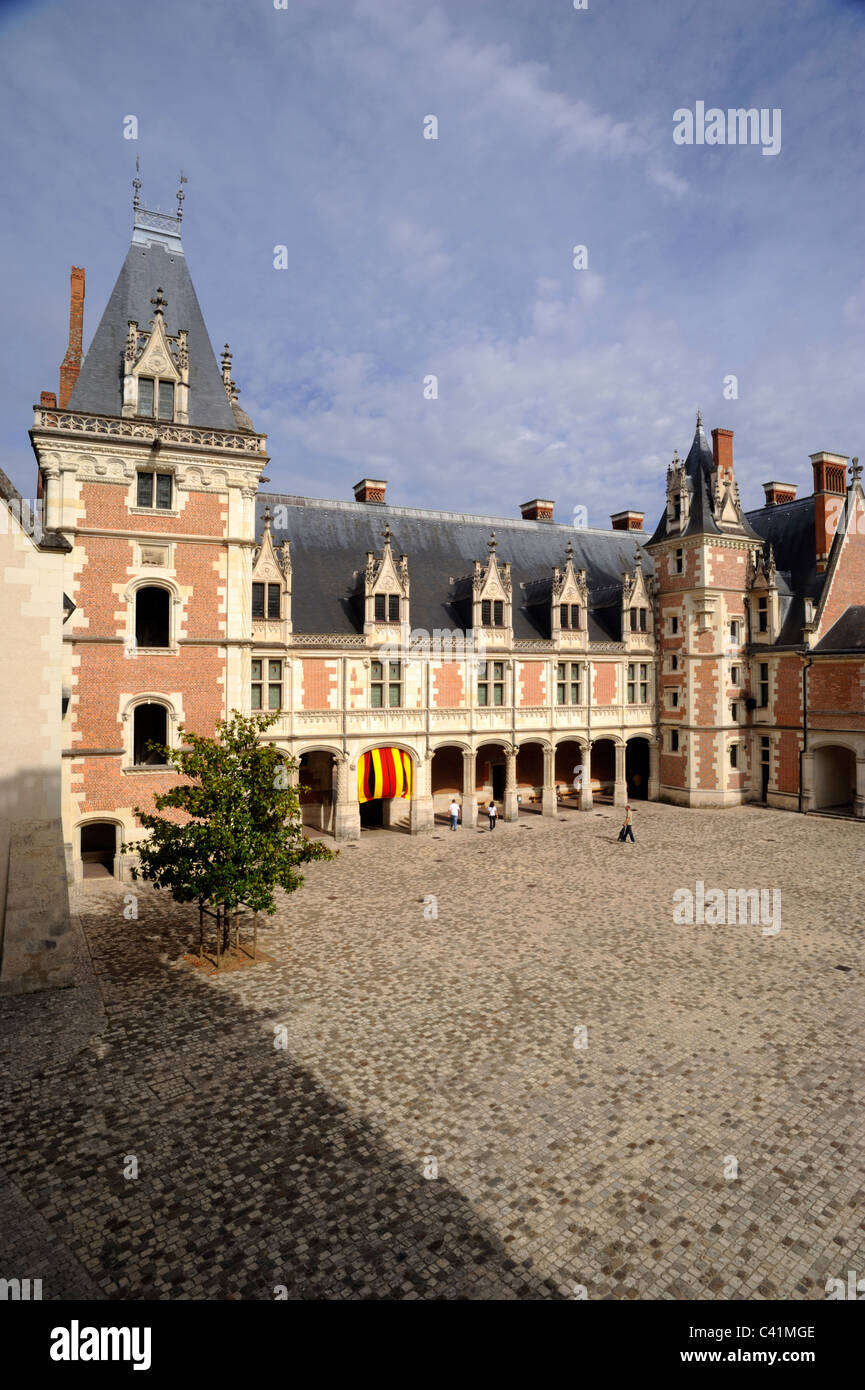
{"points": [[699, 467], [155, 260]]}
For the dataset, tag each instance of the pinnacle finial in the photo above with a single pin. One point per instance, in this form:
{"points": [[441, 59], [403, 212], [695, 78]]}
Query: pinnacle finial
{"points": [[159, 303], [699, 418], [569, 550], [492, 543], [267, 518], [386, 533], [675, 458], [180, 196], [856, 468], [136, 184]]}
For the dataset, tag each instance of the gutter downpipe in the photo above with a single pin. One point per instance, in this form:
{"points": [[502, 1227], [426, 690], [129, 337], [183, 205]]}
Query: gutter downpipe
{"points": [[804, 748]]}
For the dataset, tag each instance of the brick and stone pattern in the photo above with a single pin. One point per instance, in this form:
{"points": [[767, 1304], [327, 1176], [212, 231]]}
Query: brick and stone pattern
{"points": [[410, 1038]]}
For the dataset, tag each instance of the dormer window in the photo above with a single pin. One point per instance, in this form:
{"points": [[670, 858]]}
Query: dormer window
{"points": [[492, 613], [763, 614], [271, 593], [679, 561], [154, 490], [638, 620], [159, 394], [677, 507], [387, 608], [569, 616]]}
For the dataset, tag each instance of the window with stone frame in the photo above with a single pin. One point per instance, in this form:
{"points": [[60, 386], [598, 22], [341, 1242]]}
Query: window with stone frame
{"points": [[674, 740], [638, 619], [149, 726], [152, 616], [491, 683], [492, 612], [269, 595], [679, 561], [763, 613], [266, 689], [385, 684], [734, 755], [154, 490], [638, 683], [386, 608], [735, 675], [155, 397], [569, 683], [569, 616], [764, 684], [734, 629]]}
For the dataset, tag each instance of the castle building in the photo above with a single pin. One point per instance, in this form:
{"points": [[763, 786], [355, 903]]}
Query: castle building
{"points": [[412, 655]]}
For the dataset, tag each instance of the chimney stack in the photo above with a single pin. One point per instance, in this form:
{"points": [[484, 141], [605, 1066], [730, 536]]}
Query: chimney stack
{"points": [[776, 493], [830, 487], [722, 453], [540, 509], [370, 490], [627, 521], [71, 364]]}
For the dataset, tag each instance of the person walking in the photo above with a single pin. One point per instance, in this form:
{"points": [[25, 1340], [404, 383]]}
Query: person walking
{"points": [[454, 813], [628, 827], [493, 814]]}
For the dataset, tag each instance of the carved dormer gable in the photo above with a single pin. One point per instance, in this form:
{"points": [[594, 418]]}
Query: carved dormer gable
{"points": [[271, 587], [569, 603], [636, 605], [154, 360], [727, 507], [386, 590], [491, 596], [764, 597], [678, 496]]}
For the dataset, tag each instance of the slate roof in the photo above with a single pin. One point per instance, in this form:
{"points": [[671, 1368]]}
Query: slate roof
{"points": [[847, 635], [698, 471], [149, 266], [330, 540], [789, 527]]}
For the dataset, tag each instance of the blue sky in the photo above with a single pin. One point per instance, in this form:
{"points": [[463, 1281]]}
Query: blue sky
{"points": [[453, 257]]}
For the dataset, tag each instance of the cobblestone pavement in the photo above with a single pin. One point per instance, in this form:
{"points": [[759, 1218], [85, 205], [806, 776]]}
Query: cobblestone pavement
{"points": [[411, 1038]]}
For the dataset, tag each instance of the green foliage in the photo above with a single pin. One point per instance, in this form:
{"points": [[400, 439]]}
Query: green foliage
{"points": [[242, 836]]}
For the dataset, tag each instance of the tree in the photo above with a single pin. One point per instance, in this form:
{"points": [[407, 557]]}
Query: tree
{"points": [[241, 835]]}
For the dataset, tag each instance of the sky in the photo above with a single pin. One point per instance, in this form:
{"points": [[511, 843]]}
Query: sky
{"points": [[408, 258]]}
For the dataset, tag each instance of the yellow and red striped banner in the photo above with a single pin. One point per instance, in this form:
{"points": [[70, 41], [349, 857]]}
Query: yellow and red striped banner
{"points": [[383, 772]]}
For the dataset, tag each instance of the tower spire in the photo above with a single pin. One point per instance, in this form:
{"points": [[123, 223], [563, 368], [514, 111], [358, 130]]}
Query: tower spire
{"points": [[136, 184]]}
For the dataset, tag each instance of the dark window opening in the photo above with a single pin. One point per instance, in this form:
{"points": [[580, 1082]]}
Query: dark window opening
{"points": [[764, 684], [387, 608], [145, 395], [150, 726], [152, 608], [763, 615], [674, 740], [166, 400], [679, 562], [273, 600], [145, 494]]}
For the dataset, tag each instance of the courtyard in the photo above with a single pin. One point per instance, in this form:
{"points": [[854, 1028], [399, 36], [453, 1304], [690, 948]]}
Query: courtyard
{"points": [[473, 1065]]}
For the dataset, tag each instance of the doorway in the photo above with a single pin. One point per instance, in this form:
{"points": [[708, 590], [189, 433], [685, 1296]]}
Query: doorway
{"points": [[98, 849]]}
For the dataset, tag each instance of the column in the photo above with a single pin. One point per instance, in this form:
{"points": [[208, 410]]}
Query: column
{"points": [[586, 800], [470, 797], [620, 789], [654, 769], [549, 805], [807, 777], [422, 808], [511, 809], [859, 802], [346, 810]]}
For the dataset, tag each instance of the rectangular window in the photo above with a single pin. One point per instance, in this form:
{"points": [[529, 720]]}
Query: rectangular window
{"points": [[763, 614], [145, 395], [387, 608], [569, 682], [569, 616], [764, 751], [632, 679], [274, 685], [674, 740], [734, 755], [677, 508], [258, 600], [166, 400], [680, 561], [491, 682], [674, 626], [734, 630], [734, 712], [492, 612], [735, 675], [764, 684], [673, 697], [146, 483], [674, 662], [385, 688], [256, 684], [273, 600]]}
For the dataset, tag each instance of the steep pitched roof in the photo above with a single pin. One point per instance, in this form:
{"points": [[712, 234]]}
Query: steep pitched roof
{"points": [[701, 512], [329, 542], [789, 529], [155, 259], [847, 635]]}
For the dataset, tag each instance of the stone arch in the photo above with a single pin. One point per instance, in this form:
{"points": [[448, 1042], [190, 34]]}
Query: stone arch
{"points": [[97, 840], [637, 766], [834, 776]]}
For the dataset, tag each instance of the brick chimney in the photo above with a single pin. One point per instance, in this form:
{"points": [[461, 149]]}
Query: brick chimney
{"points": [[627, 521], [776, 493], [722, 453], [830, 486], [370, 490], [71, 364], [540, 509], [48, 400]]}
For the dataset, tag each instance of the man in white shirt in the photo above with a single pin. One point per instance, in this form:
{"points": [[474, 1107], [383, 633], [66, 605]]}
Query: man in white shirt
{"points": [[454, 813]]}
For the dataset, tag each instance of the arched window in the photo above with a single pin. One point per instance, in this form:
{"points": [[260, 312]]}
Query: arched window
{"points": [[152, 609], [149, 725]]}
